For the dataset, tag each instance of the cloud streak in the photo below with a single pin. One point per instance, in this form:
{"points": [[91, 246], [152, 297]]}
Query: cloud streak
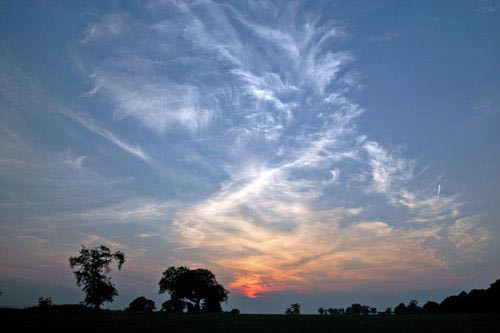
{"points": [[89, 124]]}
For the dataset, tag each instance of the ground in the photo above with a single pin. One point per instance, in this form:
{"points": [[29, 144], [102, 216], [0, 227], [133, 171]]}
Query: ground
{"points": [[118, 321]]}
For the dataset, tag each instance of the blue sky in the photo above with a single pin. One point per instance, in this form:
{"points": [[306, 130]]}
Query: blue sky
{"points": [[324, 153]]}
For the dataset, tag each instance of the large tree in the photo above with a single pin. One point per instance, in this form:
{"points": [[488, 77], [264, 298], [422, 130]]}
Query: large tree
{"points": [[92, 273], [196, 290]]}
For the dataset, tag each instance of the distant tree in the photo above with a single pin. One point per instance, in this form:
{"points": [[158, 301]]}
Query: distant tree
{"points": [[400, 309], [413, 308], [92, 273], [235, 311], [359, 309], [141, 304], [476, 301], [431, 307], [373, 310], [192, 290], [321, 311], [493, 297], [350, 311], [294, 309], [44, 302]]}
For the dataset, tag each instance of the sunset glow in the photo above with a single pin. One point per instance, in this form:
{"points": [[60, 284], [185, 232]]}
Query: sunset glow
{"points": [[306, 149]]}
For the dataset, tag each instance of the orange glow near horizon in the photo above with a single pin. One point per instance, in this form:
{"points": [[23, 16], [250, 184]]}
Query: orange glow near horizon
{"points": [[250, 285]]}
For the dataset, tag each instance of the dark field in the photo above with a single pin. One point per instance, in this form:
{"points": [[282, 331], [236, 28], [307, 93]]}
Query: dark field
{"points": [[116, 321]]}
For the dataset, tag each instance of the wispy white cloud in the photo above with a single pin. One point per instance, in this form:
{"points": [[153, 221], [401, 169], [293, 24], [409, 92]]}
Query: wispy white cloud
{"points": [[468, 236], [160, 106], [108, 27]]}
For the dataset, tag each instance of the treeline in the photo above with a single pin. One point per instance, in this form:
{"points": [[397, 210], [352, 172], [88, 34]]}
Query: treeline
{"points": [[476, 301]]}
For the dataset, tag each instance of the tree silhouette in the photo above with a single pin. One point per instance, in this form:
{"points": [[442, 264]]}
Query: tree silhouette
{"points": [[44, 302], [431, 307], [92, 273], [294, 309], [359, 309], [400, 309], [191, 290], [413, 308], [141, 304]]}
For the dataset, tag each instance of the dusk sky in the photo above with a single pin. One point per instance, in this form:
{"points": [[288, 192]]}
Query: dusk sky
{"points": [[319, 152]]}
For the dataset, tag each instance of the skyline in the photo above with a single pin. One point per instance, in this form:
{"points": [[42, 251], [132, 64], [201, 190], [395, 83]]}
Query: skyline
{"points": [[303, 152]]}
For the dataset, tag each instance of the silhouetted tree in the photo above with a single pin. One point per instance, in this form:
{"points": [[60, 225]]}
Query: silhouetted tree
{"points": [[358, 309], [476, 301], [413, 308], [493, 297], [141, 304], [400, 309], [294, 309], [455, 304], [44, 302], [321, 311], [335, 311], [199, 287], [92, 274], [373, 310], [235, 311], [431, 307]]}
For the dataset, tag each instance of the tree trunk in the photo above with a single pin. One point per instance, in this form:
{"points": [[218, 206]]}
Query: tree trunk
{"points": [[196, 308]]}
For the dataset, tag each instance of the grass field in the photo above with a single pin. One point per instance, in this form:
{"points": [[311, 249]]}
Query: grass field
{"points": [[116, 321]]}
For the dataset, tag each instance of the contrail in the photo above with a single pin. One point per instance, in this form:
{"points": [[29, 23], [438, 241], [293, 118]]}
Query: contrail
{"points": [[439, 189]]}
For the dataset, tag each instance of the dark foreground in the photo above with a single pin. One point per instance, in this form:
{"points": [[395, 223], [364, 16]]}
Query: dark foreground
{"points": [[123, 322]]}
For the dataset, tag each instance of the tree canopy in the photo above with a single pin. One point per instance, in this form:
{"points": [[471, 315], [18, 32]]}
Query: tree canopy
{"points": [[92, 274], [294, 309], [194, 290], [141, 304]]}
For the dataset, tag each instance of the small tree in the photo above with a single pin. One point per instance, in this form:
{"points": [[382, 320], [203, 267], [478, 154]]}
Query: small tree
{"points": [[44, 302], [92, 273], [400, 309], [413, 308], [294, 309], [431, 307], [321, 311], [141, 304]]}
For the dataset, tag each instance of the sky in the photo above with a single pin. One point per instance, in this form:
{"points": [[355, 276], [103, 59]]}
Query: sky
{"points": [[319, 152]]}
